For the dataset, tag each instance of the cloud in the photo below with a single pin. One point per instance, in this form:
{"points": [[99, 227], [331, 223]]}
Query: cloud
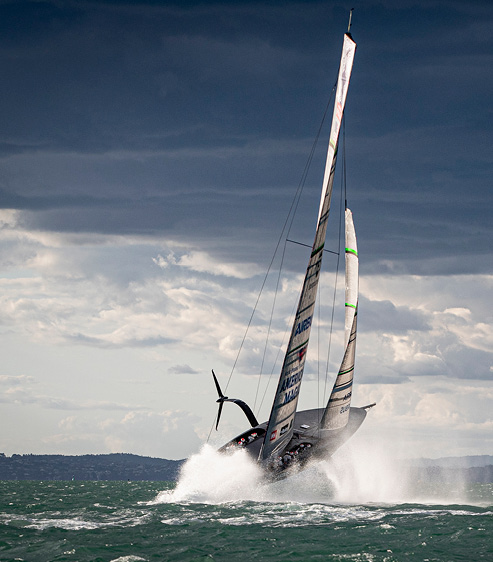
{"points": [[202, 262], [383, 314], [182, 370], [145, 187], [449, 414], [423, 327], [13, 393], [15, 380], [171, 433], [71, 293]]}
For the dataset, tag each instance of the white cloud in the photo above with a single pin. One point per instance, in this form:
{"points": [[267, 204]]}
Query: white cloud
{"points": [[163, 263], [8, 218], [431, 416], [202, 262], [145, 432], [15, 380], [409, 325], [453, 339], [13, 394], [191, 312]]}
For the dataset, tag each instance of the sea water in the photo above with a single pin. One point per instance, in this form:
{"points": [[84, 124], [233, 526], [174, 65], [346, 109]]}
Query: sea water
{"points": [[220, 510]]}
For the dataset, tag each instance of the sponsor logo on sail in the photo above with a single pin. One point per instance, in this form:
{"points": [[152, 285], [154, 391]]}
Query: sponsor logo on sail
{"points": [[291, 395], [291, 381], [273, 435], [302, 326]]}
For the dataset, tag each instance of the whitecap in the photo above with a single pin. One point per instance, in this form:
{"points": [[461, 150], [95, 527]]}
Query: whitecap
{"points": [[130, 558]]}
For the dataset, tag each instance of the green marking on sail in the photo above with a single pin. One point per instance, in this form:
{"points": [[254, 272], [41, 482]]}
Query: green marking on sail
{"points": [[351, 305], [351, 251], [345, 372], [297, 347]]}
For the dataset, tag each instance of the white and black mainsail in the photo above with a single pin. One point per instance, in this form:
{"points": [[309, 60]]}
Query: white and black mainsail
{"points": [[280, 425]]}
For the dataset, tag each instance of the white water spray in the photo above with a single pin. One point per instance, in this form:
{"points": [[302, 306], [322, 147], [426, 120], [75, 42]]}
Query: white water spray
{"points": [[212, 477], [357, 474], [366, 473]]}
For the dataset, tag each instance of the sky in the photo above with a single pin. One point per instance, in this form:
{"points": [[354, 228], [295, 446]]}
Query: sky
{"points": [[149, 155]]}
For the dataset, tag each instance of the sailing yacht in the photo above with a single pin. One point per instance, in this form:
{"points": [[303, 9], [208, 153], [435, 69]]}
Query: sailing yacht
{"points": [[290, 438]]}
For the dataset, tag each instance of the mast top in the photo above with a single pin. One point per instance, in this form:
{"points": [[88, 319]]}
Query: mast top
{"points": [[350, 17]]}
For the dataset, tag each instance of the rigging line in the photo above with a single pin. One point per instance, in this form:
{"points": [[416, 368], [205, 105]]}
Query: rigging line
{"points": [[318, 349], [307, 246], [277, 356], [300, 189], [289, 220], [291, 213], [302, 183], [268, 331], [270, 325], [343, 190], [261, 291], [299, 192], [331, 322], [304, 175], [210, 431], [344, 155], [294, 205]]}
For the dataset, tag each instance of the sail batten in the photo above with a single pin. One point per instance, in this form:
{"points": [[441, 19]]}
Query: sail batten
{"points": [[280, 424]]}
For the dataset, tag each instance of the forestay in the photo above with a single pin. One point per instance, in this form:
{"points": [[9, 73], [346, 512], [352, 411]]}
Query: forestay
{"points": [[280, 425]]}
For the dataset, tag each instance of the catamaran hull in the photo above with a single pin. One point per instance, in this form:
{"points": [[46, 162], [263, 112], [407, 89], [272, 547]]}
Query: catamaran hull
{"points": [[309, 442]]}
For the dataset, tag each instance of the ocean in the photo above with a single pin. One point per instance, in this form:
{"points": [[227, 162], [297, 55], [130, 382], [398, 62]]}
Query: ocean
{"points": [[219, 510]]}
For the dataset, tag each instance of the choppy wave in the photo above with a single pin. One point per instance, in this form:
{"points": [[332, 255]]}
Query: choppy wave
{"points": [[220, 509]]}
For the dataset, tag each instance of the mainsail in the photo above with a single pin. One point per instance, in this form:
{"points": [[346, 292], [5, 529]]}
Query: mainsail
{"points": [[336, 413], [280, 425]]}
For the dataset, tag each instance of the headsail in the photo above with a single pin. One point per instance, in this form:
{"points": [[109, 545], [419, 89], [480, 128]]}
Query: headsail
{"points": [[280, 425], [336, 413]]}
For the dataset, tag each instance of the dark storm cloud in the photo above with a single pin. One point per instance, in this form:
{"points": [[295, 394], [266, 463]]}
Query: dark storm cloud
{"points": [[86, 77], [395, 319], [195, 120]]}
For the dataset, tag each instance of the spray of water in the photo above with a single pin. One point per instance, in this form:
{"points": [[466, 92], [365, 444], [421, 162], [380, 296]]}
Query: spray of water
{"points": [[211, 477], [357, 474], [367, 475]]}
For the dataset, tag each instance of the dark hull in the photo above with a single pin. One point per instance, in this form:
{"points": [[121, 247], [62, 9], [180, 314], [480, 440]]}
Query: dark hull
{"points": [[308, 443]]}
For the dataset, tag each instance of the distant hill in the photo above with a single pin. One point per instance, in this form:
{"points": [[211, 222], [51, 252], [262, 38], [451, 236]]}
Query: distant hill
{"points": [[118, 466], [454, 462], [124, 466], [476, 468]]}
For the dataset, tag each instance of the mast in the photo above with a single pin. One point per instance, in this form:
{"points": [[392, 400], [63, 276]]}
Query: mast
{"points": [[280, 425]]}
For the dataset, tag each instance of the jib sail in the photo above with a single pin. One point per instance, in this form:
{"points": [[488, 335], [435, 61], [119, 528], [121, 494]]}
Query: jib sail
{"points": [[336, 413]]}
